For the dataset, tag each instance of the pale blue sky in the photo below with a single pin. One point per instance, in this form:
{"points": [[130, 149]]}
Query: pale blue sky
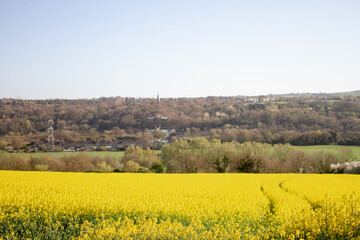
{"points": [[88, 49]]}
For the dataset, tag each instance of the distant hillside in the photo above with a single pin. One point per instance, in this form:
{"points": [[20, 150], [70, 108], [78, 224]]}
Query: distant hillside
{"points": [[353, 93], [310, 95], [299, 119]]}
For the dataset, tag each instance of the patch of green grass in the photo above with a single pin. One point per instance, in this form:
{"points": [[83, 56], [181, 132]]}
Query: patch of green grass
{"points": [[331, 149]]}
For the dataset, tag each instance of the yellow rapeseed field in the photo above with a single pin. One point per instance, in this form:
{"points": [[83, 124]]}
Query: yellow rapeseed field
{"points": [[53, 205]]}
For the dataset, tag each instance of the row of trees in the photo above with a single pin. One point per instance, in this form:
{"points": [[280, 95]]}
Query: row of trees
{"points": [[195, 156], [135, 159], [200, 155], [73, 163]]}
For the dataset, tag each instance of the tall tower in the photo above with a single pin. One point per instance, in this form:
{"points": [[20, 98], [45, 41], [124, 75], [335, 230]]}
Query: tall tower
{"points": [[158, 97]]}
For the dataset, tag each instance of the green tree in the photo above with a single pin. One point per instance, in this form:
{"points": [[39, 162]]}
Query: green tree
{"points": [[221, 164], [103, 167], [158, 168], [131, 166]]}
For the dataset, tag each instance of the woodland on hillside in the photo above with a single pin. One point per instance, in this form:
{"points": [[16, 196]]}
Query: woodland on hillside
{"points": [[294, 119]]}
